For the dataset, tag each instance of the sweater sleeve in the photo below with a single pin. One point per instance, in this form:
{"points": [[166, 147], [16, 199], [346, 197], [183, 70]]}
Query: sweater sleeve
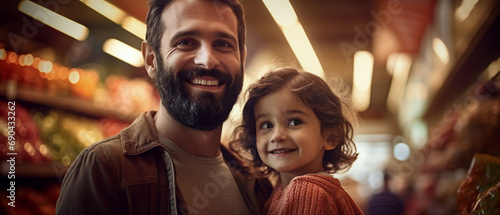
{"points": [[305, 198]]}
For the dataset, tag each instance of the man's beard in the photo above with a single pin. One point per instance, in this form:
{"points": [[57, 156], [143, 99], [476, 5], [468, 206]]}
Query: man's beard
{"points": [[205, 111]]}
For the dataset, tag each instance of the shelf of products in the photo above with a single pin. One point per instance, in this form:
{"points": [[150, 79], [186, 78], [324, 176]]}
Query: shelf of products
{"points": [[77, 109], [66, 103], [59, 111], [469, 128]]}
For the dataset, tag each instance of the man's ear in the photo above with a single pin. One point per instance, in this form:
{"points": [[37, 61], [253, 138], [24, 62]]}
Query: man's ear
{"points": [[149, 59]]}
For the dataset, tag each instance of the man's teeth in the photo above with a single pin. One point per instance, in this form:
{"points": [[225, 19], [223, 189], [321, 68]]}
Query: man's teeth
{"points": [[281, 151], [205, 82]]}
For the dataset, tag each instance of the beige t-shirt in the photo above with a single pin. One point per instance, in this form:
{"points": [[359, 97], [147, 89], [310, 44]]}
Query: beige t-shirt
{"points": [[206, 183]]}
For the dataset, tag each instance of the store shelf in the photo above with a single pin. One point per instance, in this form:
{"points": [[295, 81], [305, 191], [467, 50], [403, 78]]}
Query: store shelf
{"points": [[35, 170], [63, 103], [478, 46]]}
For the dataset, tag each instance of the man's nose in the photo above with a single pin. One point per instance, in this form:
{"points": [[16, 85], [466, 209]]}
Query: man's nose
{"points": [[205, 57]]}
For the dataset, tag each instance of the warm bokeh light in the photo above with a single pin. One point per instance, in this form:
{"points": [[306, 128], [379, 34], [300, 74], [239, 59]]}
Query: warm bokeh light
{"points": [[36, 62], [45, 66], [74, 76], [3, 54], [43, 149], [399, 79], [21, 60], [28, 60], [282, 12], [362, 79], [51, 75], [284, 15], [123, 52], [29, 148], [134, 26], [463, 11], [54, 20], [492, 70], [12, 57], [62, 73], [118, 16], [440, 49], [106, 9], [297, 38]]}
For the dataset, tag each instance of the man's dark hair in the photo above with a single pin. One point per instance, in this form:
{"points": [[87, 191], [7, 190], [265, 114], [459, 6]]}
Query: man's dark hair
{"points": [[155, 26]]}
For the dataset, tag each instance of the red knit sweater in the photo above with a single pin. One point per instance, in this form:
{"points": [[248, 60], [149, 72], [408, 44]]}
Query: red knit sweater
{"points": [[311, 194]]}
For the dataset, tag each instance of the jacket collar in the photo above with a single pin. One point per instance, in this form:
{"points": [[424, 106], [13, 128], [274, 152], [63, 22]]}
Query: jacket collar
{"points": [[141, 135]]}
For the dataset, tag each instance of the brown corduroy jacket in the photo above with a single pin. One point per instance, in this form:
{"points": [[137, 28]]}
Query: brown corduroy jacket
{"points": [[131, 173]]}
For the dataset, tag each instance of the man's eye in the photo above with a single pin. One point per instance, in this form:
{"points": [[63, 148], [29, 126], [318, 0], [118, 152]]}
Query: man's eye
{"points": [[294, 122], [224, 46], [184, 43], [266, 125]]}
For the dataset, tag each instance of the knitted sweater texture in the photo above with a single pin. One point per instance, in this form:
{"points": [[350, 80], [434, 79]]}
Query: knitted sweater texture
{"points": [[311, 194]]}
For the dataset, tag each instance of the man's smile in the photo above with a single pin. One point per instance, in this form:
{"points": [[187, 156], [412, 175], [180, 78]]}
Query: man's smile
{"points": [[205, 81]]}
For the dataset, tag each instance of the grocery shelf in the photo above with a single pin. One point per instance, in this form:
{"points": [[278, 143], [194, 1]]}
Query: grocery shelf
{"points": [[63, 102], [35, 170]]}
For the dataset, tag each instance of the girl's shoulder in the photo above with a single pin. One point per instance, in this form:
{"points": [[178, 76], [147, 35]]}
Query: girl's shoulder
{"points": [[320, 191], [319, 180]]}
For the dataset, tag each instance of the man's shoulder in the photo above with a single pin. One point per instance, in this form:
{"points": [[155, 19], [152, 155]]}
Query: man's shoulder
{"points": [[107, 146], [134, 139]]}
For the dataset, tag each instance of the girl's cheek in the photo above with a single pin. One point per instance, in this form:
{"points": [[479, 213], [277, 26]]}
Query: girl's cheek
{"points": [[260, 145]]}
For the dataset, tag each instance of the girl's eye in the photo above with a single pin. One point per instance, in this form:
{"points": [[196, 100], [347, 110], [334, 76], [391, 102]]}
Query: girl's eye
{"points": [[266, 125], [294, 122]]}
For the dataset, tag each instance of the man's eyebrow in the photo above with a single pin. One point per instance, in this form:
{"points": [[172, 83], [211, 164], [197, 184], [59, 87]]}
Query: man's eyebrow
{"points": [[218, 34], [227, 36], [184, 33]]}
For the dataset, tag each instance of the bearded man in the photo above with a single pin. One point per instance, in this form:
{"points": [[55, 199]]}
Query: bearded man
{"points": [[171, 161]]}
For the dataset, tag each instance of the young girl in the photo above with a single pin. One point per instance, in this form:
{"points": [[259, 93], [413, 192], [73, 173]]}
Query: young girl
{"points": [[293, 124]]}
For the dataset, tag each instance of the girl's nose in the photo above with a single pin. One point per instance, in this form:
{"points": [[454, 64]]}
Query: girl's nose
{"points": [[279, 135]]}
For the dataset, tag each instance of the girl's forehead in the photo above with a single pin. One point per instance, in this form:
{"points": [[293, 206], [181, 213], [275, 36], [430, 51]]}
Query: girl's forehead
{"points": [[280, 100]]}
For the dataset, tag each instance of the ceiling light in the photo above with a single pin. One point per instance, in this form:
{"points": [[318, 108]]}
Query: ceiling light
{"points": [[440, 49], [284, 14], [399, 79], [134, 26], [298, 41], [391, 63], [463, 11], [118, 16], [54, 20], [123, 52], [362, 79], [106, 9], [492, 70]]}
